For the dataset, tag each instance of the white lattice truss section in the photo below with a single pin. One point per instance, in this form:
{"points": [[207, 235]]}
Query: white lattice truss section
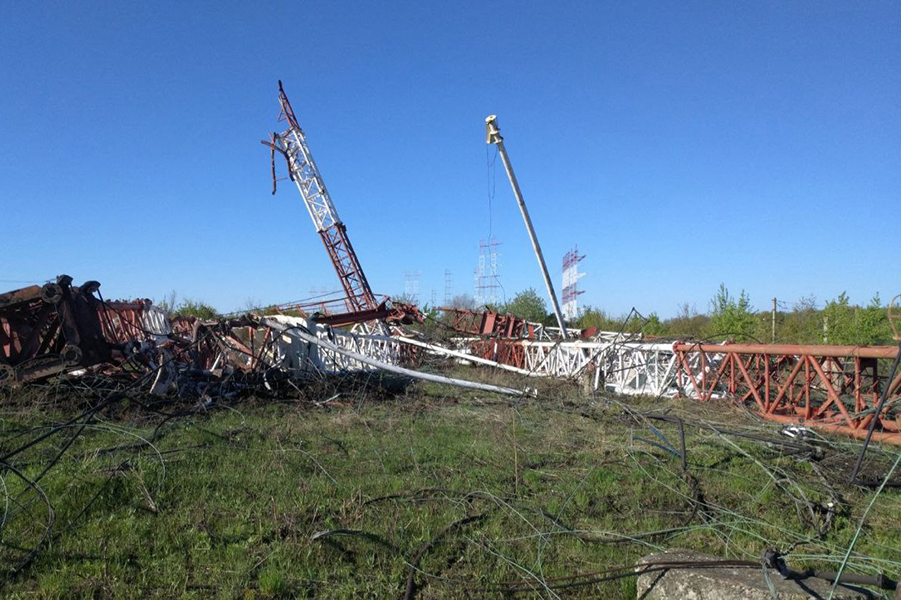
{"points": [[616, 364], [295, 354]]}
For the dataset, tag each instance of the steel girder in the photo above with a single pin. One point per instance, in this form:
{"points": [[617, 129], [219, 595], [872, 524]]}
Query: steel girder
{"points": [[490, 324], [49, 329], [831, 387]]}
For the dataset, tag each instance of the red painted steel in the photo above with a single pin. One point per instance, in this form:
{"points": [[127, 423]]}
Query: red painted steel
{"points": [[489, 324], [123, 320], [358, 294], [360, 304], [45, 330], [507, 352], [832, 387], [796, 349]]}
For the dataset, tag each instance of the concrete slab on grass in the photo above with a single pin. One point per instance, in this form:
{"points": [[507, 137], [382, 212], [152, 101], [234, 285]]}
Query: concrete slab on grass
{"points": [[729, 583]]}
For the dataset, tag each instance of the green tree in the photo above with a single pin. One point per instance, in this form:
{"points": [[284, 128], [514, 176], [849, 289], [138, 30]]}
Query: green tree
{"points": [[851, 325], [654, 326], [194, 308], [527, 305], [688, 323], [600, 320], [874, 323], [732, 317], [838, 321], [803, 325]]}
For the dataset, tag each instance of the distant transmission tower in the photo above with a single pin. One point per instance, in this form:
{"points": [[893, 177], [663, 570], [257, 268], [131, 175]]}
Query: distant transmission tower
{"points": [[317, 292], [411, 286], [571, 277], [447, 287], [486, 277]]}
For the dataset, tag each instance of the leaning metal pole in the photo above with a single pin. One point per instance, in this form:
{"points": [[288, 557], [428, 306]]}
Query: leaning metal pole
{"points": [[493, 136]]}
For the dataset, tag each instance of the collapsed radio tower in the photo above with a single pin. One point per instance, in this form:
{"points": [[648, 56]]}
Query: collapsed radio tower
{"points": [[302, 169], [571, 277], [359, 301]]}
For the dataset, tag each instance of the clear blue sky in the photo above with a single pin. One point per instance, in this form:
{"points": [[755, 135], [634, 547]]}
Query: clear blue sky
{"points": [[680, 145]]}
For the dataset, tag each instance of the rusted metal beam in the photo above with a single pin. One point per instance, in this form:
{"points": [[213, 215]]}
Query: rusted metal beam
{"points": [[45, 330], [795, 350], [839, 389], [488, 323]]}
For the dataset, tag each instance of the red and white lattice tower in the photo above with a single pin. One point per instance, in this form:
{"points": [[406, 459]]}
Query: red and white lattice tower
{"points": [[292, 144], [571, 277]]}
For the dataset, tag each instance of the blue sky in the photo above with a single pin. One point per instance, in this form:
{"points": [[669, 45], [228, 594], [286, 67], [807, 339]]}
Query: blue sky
{"points": [[680, 145]]}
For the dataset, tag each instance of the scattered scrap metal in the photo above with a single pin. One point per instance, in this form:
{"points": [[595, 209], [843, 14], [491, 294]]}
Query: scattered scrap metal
{"points": [[49, 329], [60, 329]]}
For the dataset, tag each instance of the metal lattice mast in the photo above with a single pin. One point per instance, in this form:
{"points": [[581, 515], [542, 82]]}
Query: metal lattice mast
{"points": [[571, 277], [486, 277], [447, 287], [292, 144]]}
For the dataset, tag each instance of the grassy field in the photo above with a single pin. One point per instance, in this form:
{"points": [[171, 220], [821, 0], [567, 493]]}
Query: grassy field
{"points": [[428, 493]]}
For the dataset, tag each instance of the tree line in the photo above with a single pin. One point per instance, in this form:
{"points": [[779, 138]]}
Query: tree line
{"points": [[838, 321]]}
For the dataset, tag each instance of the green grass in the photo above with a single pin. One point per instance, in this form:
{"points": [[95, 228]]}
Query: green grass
{"points": [[238, 504]]}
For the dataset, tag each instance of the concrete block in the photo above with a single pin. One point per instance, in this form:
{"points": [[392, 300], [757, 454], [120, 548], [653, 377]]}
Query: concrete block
{"points": [[731, 583]]}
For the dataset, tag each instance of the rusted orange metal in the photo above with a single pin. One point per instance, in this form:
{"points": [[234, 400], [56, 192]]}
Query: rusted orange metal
{"points": [[49, 329], [834, 387], [489, 324]]}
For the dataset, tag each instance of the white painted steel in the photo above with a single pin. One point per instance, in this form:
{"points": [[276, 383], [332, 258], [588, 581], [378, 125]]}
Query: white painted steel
{"points": [[614, 363], [462, 355], [156, 321], [494, 137], [308, 180], [329, 347], [294, 354]]}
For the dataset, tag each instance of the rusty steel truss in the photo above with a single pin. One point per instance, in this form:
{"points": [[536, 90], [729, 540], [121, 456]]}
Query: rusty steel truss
{"points": [[45, 330], [488, 323], [835, 388], [360, 303], [59, 328], [56, 328]]}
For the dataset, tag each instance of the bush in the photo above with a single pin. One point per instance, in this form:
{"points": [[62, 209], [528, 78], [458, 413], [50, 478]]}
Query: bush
{"points": [[192, 308], [845, 324], [688, 323], [529, 306], [732, 317]]}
